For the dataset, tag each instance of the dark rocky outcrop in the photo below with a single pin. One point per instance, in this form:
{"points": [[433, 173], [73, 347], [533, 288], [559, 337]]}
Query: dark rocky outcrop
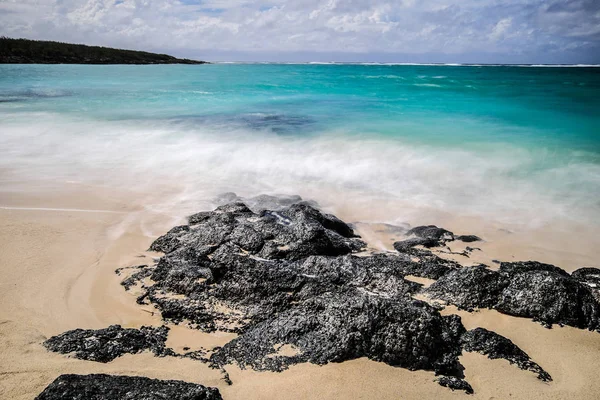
{"points": [[290, 276], [104, 345], [455, 383], [343, 326], [494, 346], [293, 233], [589, 277], [468, 287], [263, 202], [530, 289], [430, 236], [468, 238], [114, 387]]}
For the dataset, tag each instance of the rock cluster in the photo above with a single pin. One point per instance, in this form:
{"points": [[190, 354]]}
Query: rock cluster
{"points": [[494, 346], [291, 276], [530, 289], [104, 345], [430, 236], [115, 387]]}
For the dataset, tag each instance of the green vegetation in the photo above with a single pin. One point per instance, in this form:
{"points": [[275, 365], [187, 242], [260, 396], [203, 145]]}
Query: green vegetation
{"points": [[24, 51]]}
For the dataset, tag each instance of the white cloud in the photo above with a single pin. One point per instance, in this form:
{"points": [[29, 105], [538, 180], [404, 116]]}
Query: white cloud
{"points": [[501, 28], [384, 26]]}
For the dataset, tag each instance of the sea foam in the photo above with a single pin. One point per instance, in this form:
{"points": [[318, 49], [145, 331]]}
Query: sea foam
{"points": [[197, 161]]}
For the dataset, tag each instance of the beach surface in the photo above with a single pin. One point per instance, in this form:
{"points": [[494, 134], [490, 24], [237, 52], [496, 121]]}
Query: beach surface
{"points": [[60, 248]]}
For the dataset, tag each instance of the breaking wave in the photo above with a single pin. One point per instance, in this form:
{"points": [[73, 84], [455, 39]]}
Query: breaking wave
{"points": [[197, 160]]}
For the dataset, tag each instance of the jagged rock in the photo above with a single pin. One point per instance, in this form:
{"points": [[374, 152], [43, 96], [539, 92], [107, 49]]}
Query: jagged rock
{"points": [[468, 238], [290, 277], [405, 246], [430, 236], [170, 241], [427, 236], [256, 288], [455, 383], [104, 345], [142, 272], [264, 202], [534, 290], [431, 232], [549, 295], [115, 387], [292, 233], [495, 346], [425, 264], [589, 277], [343, 326], [468, 287]]}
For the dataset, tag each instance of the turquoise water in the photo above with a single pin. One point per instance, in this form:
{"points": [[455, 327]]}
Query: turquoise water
{"points": [[499, 142]]}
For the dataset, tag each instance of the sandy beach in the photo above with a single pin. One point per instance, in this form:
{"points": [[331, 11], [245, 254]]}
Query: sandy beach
{"points": [[60, 248]]}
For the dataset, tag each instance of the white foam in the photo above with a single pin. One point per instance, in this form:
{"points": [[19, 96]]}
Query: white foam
{"points": [[59, 209], [196, 162], [413, 64]]}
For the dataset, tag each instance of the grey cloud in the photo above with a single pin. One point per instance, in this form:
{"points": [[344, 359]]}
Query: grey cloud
{"points": [[531, 30]]}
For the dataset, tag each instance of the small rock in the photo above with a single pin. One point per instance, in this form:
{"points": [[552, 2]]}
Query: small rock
{"points": [[455, 383], [115, 387], [495, 346], [104, 345]]}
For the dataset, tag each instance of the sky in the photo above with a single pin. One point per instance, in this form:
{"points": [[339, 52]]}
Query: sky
{"points": [[467, 31]]}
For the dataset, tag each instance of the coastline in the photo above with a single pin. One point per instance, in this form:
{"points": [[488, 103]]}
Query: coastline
{"points": [[58, 262]]}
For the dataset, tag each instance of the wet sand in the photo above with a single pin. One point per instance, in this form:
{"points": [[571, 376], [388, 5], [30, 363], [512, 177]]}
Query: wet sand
{"points": [[59, 251]]}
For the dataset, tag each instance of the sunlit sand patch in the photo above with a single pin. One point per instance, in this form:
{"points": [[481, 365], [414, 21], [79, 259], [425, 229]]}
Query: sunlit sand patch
{"points": [[423, 281], [184, 339], [62, 290]]}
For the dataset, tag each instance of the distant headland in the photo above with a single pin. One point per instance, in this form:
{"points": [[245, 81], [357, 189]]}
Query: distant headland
{"points": [[25, 51]]}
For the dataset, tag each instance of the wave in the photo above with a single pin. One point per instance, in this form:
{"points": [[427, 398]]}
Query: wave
{"points": [[413, 64], [427, 85], [197, 161]]}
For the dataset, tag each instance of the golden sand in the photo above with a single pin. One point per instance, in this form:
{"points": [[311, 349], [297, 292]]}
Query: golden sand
{"points": [[59, 252]]}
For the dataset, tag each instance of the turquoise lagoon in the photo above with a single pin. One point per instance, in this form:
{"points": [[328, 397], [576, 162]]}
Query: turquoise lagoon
{"points": [[504, 143]]}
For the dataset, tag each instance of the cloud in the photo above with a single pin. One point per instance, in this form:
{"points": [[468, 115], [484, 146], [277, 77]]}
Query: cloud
{"points": [[536, 29]]}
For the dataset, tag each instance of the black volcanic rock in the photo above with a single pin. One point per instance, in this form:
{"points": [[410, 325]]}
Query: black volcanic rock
{"points": [[427, 236], [289, 283], [336, 327], [115, 387], [405, 246], [495, 346], [589, 277], [468, 238], [468, 287], [431, 232], [534, 290], [104, 345], [295, 232], [430, 236], [455, 383]]}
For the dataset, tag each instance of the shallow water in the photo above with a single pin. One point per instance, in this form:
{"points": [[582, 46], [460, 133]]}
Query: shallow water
{"points": [[504, 144]]}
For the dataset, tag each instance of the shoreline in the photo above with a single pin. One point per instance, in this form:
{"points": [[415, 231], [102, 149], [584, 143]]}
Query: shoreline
{"points": [[58, 265]]}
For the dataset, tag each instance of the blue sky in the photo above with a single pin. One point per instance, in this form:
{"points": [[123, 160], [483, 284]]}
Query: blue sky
{"points": [[469, 31]]}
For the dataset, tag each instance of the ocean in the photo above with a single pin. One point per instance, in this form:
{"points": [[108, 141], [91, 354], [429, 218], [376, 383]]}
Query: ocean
{"points": [[506, 144]]}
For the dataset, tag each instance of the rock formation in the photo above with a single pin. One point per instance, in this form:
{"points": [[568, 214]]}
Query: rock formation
{"points": [[114, 387], [296, 277]]}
